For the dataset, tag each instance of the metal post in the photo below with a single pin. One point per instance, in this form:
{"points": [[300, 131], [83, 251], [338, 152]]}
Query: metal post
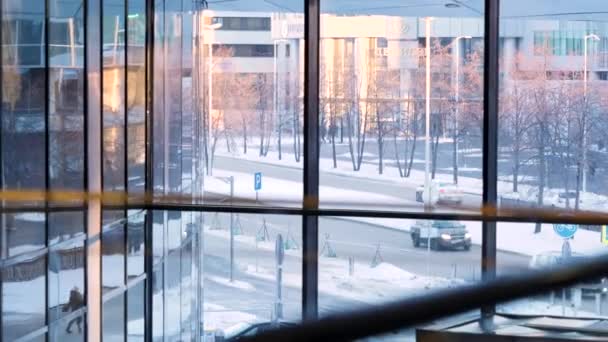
{"points": [[585, 78], [490, 148], [231, 230], [427, 141], [279, 256], [310, 223], [584, 115]]}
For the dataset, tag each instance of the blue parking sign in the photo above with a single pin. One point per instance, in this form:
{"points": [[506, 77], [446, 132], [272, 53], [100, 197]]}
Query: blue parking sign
{"points": [[257, 181], [565, 230]]}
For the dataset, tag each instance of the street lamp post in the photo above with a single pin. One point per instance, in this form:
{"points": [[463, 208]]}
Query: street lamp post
{"points": [[275, 88], [427, 142], [209, 28], [456, 46], [596, 38]]}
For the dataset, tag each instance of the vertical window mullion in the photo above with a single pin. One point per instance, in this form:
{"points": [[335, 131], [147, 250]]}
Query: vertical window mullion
{"points": [[310, 224], [490, 144]]}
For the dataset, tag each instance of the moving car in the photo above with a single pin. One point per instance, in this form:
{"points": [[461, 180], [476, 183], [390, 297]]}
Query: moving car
{"points": [[441, 234], [441, 192], [551, 259]]}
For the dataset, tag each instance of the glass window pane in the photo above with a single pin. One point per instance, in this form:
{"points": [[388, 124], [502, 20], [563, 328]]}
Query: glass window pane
{"points": [[66, 94], [23, 297], [113, 95], [135, 312], [251, 295], [65, 225], [375, 150], [136, 78], [246, 103], [113, 257], [552, 109], [66, 282], [23, 103], [22, 232], [378, 260], [135, 243], [524, 247], [114, 319]]}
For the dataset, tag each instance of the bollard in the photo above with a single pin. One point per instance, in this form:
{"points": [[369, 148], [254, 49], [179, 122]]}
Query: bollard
{"points": [[327, 250], [598, 303], [351, 266], [377, 260], [454, 267]]}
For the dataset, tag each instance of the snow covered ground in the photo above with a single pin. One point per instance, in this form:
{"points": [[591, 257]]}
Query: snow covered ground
{"points": [[369, 170]]}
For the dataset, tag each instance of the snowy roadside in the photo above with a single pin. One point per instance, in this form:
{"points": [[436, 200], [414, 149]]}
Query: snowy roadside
{"points": [[511, 237], [369, 170]]}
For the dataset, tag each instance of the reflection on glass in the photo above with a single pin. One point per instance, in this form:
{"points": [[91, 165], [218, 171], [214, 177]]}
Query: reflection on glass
{"points": [[113, 257], [113, 323], [135, 243], [135, 312], [65, 225], [23, 107], [157, 304], [23, 297], [66, 94], [66, 283], [113, 31], [373, 104], [136, 78], [21, 233]]}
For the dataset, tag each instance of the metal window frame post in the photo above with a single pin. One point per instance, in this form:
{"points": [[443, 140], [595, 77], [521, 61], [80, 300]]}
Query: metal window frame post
{"points": [[490, 147], [310, 223]]}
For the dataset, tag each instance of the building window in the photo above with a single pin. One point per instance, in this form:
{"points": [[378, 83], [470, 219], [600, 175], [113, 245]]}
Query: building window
{"points": [[243, 23], [246, 50]]}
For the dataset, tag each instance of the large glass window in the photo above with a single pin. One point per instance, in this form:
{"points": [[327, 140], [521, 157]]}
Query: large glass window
{"points": [[376, 149], [244, 281], [368, 261], [66, 94], [23, 296], [552, 115], [246, 92]]}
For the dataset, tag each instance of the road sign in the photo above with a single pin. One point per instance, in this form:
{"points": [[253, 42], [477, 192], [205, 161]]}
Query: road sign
{"points": [[605, 235], [257, 181], [565, 230]]}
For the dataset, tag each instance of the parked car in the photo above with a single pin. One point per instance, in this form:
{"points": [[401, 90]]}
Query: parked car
{"points": [[441, 192], [441, 234], [551, 259], [242, 330]]}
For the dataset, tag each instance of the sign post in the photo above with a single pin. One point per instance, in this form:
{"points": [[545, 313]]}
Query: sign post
{"points": [[257, 184], [279, 256], [566, 231]]}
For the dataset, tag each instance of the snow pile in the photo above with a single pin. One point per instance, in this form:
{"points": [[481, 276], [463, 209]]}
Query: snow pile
{"points": [[237, 284]]}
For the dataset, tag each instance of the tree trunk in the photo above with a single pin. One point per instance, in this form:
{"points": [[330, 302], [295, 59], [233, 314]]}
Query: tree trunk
{"points": [[455, 158], [280, 128], [434, 148], [262, 133], [542, 170], [413, 150], [380, 142], [341, 130], [244, 136], [397, 158]]}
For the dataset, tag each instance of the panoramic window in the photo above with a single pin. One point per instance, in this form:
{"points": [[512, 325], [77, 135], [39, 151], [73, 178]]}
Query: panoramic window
{"points": [[247, 97], [388, 138]]}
